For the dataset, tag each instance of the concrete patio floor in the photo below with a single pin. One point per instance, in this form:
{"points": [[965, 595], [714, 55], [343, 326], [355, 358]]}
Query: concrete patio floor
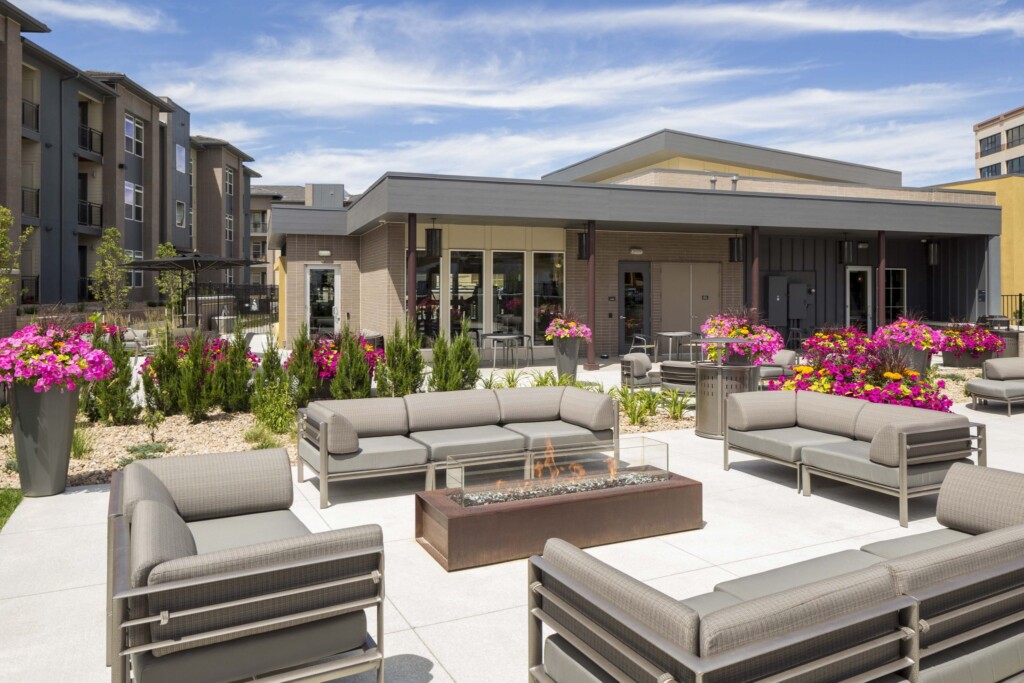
{"points": [[467, 626]]}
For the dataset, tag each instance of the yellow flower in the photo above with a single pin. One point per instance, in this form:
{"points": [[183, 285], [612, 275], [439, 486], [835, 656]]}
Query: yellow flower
{"points": [[892, 375], [803, 369], [911, 373]]}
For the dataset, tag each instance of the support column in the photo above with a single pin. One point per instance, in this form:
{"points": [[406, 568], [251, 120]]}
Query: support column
{"points": [[755, 271], [410, 270], [880, 282], [591, 363]]}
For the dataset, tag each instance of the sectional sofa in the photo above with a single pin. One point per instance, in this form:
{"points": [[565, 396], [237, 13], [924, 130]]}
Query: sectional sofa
{"points": [[374, 437], [212, 578], [944, 606], [896, 450], [1002, 380]]}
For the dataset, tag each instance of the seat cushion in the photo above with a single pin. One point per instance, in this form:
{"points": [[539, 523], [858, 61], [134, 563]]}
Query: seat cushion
{"points": [[827, 413], [976, 500], [212, 535], [706, 603], [375, 453], [755, 410], [783, 444], [990, 388], [443, 443], [852, 459], [908, 545], [565, 664], [243, 658], [557, 433], [1004, 368], [797, 574], [371, 416], [529, 404]]}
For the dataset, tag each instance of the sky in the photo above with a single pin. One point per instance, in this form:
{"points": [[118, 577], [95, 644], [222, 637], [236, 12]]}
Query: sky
{"points": [[342, 93]]}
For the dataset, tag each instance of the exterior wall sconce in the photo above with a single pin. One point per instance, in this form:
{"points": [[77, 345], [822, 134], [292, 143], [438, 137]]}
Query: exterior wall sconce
{"points": [[582, 248], [737, 249], [714, 181], [933, 253], [433, 239], [324, 253], [636, 251], [847, 252]]}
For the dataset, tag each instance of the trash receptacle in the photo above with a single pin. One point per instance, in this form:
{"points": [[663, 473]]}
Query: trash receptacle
{"points": [[714, 384]]}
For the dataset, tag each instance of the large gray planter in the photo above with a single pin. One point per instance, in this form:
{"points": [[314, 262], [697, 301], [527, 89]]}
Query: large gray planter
{"points": [[966, 360], [919, 360], [567, 352], [43, 424]]}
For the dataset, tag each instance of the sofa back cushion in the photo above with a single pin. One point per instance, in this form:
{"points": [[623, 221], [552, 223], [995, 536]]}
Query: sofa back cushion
{"points": [[976, 500], [452, 409], [827, 413], [800, 608], [885, 446], [874, 416], [342, 437], [670, 620], [639, 364], [140, 483], [372, 416], [761, 410], [529, 404], [587, 409], [1004, 368], [784, 358], [158, 535]]}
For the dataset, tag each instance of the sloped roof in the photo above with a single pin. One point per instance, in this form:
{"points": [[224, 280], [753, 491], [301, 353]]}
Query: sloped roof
{"points": [[29, 24], [115, 78], [285, 193], [205, 141]]}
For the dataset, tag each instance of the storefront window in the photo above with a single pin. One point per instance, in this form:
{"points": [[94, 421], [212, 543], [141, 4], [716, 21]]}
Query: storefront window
{"points": [[548, 291], [467, 300], [508, 274], [428, 295]]}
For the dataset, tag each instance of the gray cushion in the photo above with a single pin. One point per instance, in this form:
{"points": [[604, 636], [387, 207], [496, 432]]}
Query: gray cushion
{"points": [[990, 388], [827, 413], [225, 484], [372, 416], [885, 447], [375, 453], [587, 409], [1004, 368], [874, 416], [852, 459], [452, 409], [784, 444], [529, 404], [761, 410], [559, 434], [908, 545], [158, 534], [212, 535], [444, 443], [639, 364], [976, 500], [139, 483], [784, 358], [991, 658], [707, 603], [246, 657], [797, 574], [341, 434], [565, 664]]}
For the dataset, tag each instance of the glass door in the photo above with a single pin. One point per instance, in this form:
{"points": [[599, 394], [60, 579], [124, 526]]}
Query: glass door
{"points": [[508, 282], [859, 301], [467, 299], [322, 312], [548, 292], [634, 302]]}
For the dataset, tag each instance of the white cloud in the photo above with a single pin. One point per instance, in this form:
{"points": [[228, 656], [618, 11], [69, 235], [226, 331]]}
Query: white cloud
{"points": [[238, 133], [124, 16]]}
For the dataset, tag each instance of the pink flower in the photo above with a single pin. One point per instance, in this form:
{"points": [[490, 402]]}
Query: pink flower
{"points": [[52, 358]]}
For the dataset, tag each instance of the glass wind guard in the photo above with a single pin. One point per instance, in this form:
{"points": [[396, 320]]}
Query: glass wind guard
{"points": [[489, 479]]}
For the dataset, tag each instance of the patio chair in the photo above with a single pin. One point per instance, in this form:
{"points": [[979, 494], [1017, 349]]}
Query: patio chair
{"points": [[781, 365], [637, 372], [641, 343]]}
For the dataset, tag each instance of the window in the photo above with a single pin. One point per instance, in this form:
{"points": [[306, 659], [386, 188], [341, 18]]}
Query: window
{"points": [[179, 214], [133, 278], [1015, 165], [190, 221], [132, 201], [259, 251], [133, 135], [508, 276], [1015, 136], [191, 172], [229, 181], [229, 276], [548, 291], [428, 294], [989, 145], [467, 297], [259, 221], [990, 171], [180, 159], [895, 293], [229, 228]]}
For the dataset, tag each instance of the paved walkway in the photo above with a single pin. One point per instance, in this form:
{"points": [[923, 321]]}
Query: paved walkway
{"points": [[467, 626]]}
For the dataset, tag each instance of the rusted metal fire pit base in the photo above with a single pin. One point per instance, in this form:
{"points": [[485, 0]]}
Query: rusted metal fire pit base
{"points": [[462, 537]]}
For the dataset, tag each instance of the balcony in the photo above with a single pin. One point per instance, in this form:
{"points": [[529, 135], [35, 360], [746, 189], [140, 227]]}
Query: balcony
{"points": [[30, 202], [259, 254], [259, 228], [30, 115], [90, 139], [90, 213]]}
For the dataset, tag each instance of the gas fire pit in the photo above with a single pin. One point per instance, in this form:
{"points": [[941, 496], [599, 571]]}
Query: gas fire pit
{"points": [[500, 508]]}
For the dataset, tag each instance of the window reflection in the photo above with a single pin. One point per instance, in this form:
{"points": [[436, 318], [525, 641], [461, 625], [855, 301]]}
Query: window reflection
{"points": [[467, 276], [509, 269], [548, 291]]}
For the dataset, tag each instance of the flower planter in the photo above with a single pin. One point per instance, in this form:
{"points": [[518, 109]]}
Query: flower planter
{"points": [[966, 360], [567, 352], [918, 360], [43, 424]]}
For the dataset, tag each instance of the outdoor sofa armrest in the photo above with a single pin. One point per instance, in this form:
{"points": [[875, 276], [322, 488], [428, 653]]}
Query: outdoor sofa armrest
{"points": [[330, 428], [904, 445]]}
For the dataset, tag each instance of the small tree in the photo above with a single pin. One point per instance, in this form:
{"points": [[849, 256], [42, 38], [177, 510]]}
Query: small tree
{"points": [[10, 257], [465, 358], [196, 388], [161, 374], [352, 377], [232, 375], [171, 283], [273, 403], [302, 367], [114, 399], [402, 371], [109, 283]]}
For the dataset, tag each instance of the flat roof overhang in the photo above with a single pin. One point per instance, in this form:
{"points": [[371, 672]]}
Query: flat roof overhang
{"points": [[498, 201]]}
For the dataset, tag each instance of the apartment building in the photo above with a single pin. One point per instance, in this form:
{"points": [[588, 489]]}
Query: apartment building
{"points": [[999, 144], [264, 198]]}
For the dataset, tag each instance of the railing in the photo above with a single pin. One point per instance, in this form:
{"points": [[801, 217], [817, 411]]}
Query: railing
{"points": [[90, 139], [29, 289], [252, 306], [259, 254], [1013, 308], [258, 228], [90, 213], [30, 115], [30, 202]]}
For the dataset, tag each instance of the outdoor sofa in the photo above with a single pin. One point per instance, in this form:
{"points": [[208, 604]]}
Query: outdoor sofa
{"points": [[1002, 379], [637, 371], [897, 450], [212, 578], [372, 437], [780, 365], [943, 606]]}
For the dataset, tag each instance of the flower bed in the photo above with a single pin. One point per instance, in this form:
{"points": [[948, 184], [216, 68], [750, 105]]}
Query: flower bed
{"points": [[760, 342], [326, 353], [973, 340], [910, 333]]}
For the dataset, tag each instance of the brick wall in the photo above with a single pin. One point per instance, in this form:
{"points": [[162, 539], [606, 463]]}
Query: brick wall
{"points": [[613, 247], [302, 251], [382, 277]]}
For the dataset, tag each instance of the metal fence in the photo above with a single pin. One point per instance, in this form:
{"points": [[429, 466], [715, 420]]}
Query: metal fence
{"points": [[1013, 307], [225, 307]]}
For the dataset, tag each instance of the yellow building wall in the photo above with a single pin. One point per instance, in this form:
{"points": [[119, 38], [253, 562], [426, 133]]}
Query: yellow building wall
{"points": [[1009, 192], [688, 164]]}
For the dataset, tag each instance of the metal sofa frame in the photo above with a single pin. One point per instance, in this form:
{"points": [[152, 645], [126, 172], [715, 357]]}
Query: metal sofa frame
{"points": [[1010, 402]]}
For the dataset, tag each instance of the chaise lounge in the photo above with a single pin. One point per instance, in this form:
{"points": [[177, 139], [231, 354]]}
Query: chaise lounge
{"points": [[1002, 380]]}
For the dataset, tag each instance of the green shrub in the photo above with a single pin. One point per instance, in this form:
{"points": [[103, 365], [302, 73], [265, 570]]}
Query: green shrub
{"points": [[260, 437], [302, 367], [81, 444], [273, 403], [161, 378], [511, 378], [491, 381], [547, 378], [113, 400], [456, 363], [232, 376], [9, 499], [152, 418], [652, 401], [633, 405], [11, 464], [147, 450], [465, 356], [402, 371], [352, 378], [196, 390]]}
